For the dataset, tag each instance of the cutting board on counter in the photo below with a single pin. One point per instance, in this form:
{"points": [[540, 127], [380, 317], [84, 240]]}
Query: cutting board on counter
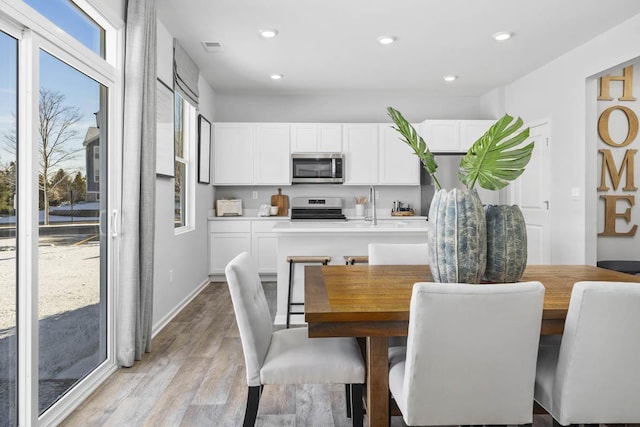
{"points": [[282, 202]]}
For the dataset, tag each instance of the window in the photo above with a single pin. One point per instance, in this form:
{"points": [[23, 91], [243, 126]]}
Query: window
{"points": [[185, 137], [66, 15], [96, 163]]}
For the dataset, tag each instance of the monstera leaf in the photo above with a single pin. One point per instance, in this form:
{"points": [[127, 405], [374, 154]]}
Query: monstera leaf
{"points": [[415, 141], [497, 157]]}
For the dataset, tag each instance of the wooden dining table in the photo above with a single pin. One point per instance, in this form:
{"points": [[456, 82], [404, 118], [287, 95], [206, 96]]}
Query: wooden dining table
{"points": [[372, 301]]}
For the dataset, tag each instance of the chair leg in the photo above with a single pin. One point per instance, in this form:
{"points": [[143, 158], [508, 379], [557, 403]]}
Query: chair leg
{"points": [[347, 395], [289, 292], [357, 411], [253, 400]]}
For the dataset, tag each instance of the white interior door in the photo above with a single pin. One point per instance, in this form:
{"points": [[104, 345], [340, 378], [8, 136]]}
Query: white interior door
{"points": [[531, 192]]}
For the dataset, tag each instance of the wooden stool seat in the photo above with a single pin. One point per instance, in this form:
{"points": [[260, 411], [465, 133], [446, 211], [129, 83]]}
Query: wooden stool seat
{"points": [[353, 259], [292, 260]]}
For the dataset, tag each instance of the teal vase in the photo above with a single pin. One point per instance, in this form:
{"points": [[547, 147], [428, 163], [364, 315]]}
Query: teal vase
{"points": [[506, 243], [457, 237]]}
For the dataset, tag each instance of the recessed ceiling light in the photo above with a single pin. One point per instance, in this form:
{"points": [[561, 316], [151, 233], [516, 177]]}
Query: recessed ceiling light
{"points": [[502, 36], [449, 78], [385, 40], [276, 76], [269, 33]]}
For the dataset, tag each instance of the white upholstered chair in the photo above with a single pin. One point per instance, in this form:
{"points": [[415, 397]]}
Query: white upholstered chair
{"points": [[593, 375], [398, 254], [470, 356], [287, 356]]}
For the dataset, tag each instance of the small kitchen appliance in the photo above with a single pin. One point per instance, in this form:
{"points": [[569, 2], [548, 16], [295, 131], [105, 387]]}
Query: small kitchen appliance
{"points": [[316, 209], [317, 168], [229, 207]]}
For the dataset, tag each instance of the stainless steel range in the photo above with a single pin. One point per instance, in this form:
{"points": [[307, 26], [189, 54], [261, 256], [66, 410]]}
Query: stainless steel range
{"points": [[316, 208]]}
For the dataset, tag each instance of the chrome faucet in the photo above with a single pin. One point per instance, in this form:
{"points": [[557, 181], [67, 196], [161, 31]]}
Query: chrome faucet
{"points": [[372, 197]]}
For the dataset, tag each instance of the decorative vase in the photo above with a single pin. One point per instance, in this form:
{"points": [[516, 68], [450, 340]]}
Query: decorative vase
{"points": [[506, 243], [359, 210], [457, 237]]}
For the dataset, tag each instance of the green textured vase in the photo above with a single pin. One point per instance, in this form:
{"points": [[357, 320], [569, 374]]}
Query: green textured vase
{"points": [[457, 237], [506, 243]]}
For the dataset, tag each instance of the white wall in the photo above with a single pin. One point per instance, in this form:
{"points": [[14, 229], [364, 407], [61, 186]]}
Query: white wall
{"points": [[186, 254], [557, 92], [345, 107]]}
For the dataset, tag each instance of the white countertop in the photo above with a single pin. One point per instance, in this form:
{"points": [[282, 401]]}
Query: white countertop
{"points": [[383, 226]]}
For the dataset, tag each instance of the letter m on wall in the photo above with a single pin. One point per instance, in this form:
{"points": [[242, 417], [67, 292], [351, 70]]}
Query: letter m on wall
{"points": [[609, 167]]}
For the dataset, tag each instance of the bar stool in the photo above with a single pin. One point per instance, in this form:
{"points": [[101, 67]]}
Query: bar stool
{"points": [[353, 259], [292, 260]]}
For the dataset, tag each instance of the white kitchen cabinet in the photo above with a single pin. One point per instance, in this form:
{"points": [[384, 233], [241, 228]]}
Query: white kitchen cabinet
{"points": [[360, 146], [271, 154], [471, 131], [251, 154], [316, 138], [398, 164], [452, 136], [227, 239], [233, 154], [264, 246]]}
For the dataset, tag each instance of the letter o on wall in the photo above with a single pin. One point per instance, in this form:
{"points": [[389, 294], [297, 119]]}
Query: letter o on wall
{"points": [[603, 126]]}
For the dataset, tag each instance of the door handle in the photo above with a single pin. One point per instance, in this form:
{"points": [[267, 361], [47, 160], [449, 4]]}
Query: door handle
{"points": [[546, 202]]}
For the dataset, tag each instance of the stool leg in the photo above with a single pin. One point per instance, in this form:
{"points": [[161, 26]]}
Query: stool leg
{"points": [[289, 292]]}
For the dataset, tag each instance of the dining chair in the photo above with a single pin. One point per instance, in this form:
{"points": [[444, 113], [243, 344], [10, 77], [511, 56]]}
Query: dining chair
{"points": [[593, 375], [470, 356], [287, 356], [398, 254]]}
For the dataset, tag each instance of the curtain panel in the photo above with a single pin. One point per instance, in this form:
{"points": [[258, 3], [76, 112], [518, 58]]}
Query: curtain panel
{"points": [[134, 296]]}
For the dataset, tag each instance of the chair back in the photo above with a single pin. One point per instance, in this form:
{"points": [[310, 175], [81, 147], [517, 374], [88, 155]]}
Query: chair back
{"points": [[398, 254], [252, 313], [598, 371], [471, 353]]}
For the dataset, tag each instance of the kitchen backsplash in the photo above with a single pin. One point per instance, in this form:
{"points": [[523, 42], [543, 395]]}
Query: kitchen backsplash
{"points": [[407, 194]]}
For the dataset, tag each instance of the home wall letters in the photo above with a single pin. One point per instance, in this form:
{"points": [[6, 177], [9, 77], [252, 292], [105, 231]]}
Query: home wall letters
{"points": [[612, 202]]}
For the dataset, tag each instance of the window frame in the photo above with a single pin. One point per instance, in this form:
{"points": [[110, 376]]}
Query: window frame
{"points": [[189, 143]]}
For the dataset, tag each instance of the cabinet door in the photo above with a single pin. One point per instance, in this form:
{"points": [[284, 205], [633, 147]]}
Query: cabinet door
{"points": [[398, 163], [271, 154], [360, 143], [233, 154], [441, 136], [471, 131], [224, 247], [330, 138], [265, 252], [304, 138]]}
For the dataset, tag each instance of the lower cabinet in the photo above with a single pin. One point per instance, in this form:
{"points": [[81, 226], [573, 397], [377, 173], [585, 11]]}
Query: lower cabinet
{"points": [[228, 238]]}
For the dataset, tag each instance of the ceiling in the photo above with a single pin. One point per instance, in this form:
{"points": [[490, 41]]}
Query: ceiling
{"points": [[328, 46]]}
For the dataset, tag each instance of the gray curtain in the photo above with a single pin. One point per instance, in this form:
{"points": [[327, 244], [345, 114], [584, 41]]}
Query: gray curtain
{"points": [[134, 295]]}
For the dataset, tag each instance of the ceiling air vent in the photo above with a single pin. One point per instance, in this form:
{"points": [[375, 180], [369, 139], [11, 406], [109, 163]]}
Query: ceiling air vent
{"points": [[213, 46]]}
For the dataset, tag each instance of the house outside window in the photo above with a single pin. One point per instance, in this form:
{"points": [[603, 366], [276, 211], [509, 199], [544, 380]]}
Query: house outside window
{"points": [[184, 143]]}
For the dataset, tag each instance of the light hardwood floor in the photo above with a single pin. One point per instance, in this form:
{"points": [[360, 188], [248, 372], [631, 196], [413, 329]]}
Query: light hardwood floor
{"points": [[195, 376]]}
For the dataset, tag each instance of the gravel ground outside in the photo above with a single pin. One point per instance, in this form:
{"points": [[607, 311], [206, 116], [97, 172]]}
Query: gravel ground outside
{"points": [[69, 278]]}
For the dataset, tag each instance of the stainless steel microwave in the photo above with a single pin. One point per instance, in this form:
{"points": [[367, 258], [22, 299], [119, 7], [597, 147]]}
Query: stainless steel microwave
{"points": [[317, 168]]}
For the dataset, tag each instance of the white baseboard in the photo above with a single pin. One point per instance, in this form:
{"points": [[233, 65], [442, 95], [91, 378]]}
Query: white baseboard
{"points": [[159, 326]]}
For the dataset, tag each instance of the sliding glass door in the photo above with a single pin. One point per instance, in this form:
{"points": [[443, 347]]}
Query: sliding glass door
{"points": [[8, 224], [71, 247], [56, 237]]}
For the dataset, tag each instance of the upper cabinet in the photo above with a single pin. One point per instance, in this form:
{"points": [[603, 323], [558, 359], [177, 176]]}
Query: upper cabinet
{"points": [[360, 146], [316, 138], [452, 136], [398, 164], [251, 154], [375, 154]]}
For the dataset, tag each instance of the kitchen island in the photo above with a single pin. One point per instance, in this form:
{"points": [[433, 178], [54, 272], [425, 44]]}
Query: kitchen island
{"points": [[335, 239]]}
